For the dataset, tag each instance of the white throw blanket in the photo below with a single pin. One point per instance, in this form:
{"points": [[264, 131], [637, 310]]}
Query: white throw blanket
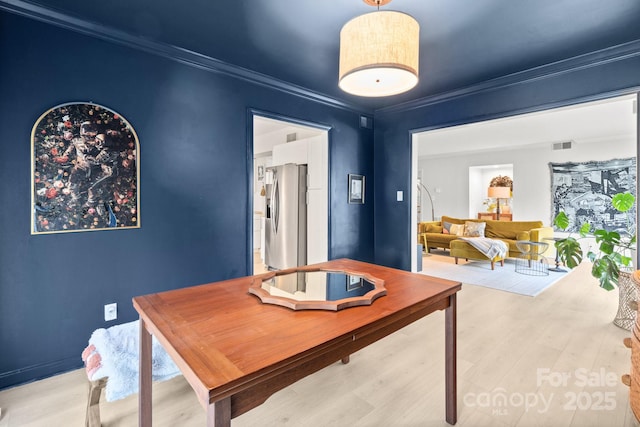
{"points": [[118, 347], [489, 247]]}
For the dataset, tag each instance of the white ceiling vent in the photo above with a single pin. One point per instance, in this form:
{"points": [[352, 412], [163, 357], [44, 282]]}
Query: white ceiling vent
{"points": [[292, 137], [567, 145]]}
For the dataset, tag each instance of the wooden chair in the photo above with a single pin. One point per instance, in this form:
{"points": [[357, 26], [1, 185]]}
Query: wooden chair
{"points": [[92, 418]]}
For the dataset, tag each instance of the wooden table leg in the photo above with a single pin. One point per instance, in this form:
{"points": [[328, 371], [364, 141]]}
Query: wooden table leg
{"points": [[144, 397], [450, 362], [219, 413]]}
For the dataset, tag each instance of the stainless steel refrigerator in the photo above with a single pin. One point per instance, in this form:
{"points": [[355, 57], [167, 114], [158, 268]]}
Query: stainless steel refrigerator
{"points": [[286, 217]]}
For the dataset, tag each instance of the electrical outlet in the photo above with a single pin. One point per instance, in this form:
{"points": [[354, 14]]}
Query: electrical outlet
{"points": [[110, 312]]}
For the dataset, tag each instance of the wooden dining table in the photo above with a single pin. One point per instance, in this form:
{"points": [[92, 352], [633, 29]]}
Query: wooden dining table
{"points": [[236, 351]]}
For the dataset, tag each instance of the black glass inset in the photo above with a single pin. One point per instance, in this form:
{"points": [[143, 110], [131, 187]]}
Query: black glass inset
{"points": [[317, 286]]}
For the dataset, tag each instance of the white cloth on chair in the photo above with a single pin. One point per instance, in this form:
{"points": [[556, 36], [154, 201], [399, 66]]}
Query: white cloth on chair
{"points": [[118, 348]]}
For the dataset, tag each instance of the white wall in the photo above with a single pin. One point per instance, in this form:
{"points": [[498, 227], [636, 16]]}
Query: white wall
{"points": [[479, 179], [447, 177], [264, 143]]}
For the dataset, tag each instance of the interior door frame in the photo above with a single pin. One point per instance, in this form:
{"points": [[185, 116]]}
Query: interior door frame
{"points": [[413, 211], [251, 114]]}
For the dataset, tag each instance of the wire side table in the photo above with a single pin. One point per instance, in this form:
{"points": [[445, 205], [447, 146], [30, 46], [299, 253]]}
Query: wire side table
{"points": [[531, 261], [557, 268]]}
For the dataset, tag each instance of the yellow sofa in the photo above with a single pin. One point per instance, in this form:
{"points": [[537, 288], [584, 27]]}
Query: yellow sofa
{"points": [[430, 234]]}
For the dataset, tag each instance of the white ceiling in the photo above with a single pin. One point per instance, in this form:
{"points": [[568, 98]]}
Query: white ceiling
{"points": [[263, 126], [589, 122], [605, 120]]}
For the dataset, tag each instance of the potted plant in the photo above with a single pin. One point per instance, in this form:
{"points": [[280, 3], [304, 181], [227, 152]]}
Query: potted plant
{"points": [[615, 248]]}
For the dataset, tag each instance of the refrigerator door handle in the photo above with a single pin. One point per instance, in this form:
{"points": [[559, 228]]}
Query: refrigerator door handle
{"points": [[275, 207]]}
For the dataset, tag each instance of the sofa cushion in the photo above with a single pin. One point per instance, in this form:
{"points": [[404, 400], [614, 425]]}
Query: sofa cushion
{"points": [[433, 228], [508, 229], [439, 240], [474, 229], [457, 229]]}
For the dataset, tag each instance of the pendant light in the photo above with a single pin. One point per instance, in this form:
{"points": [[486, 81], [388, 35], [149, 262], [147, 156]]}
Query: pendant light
{"points": [[379, 53]]}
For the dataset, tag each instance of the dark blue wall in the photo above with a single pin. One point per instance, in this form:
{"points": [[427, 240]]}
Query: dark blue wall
{"points": [[194, 188], [196, 177], [392, 153]]}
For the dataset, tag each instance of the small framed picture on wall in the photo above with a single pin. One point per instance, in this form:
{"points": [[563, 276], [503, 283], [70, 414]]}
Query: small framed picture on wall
{"points": [[356, 189], [353, 283]]}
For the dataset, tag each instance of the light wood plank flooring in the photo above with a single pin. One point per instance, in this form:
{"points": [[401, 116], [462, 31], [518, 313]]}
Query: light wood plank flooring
{"points": [[505, 341]]}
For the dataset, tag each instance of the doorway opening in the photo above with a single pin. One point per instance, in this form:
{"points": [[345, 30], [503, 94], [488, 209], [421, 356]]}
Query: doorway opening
{"points": [[529, 142], [278, 141]]}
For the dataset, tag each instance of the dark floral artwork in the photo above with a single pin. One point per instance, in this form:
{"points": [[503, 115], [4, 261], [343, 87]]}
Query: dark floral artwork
{"points": [[84, 170]]}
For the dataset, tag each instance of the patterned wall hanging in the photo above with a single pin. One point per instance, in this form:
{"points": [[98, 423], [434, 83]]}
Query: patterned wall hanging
{"points": [[584, 190], [85, 170]]}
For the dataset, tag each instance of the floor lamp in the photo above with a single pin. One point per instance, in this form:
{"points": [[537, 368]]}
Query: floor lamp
{"points": [[433, 216], [499, 193]]}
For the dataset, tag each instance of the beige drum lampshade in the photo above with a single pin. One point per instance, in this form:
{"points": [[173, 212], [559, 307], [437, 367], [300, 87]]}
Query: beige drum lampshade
{"points": [[379, 54], [499, 192]]}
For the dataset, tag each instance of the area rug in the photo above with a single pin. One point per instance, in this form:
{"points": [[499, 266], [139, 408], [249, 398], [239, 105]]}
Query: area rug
{"points": [[479, 273]]}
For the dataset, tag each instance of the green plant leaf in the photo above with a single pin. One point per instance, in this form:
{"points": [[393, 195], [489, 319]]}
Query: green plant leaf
{"points": [[607, 248], [569, 251], [585, 229], [623, 260], [606, 270], [608, 240], [561, 221], [623, 201]]}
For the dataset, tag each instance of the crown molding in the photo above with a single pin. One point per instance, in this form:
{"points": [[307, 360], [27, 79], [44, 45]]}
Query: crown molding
{"points": [[585, 61], [204, 62], [175, 53]]}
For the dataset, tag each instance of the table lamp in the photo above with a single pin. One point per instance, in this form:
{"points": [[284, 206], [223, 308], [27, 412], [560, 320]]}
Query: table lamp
{"points": [[499, 193]]}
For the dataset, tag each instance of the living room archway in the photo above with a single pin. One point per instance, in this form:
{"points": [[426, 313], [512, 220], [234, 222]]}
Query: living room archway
{"points": [[528, 137]]}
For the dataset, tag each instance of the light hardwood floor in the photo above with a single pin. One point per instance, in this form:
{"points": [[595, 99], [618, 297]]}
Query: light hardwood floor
{"points": [[508, 346]]}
